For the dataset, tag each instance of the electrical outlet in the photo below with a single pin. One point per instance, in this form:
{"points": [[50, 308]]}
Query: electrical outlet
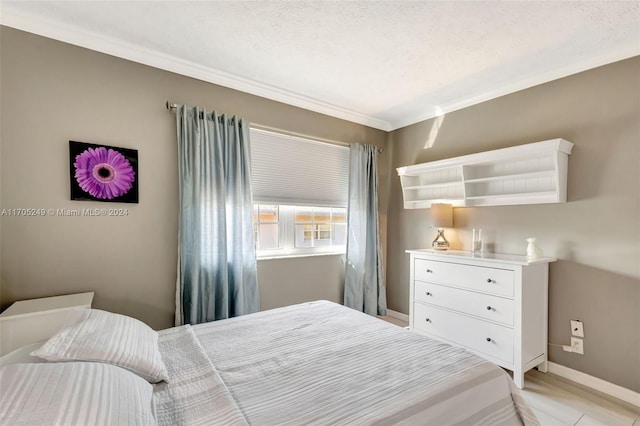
{"points": [[577, 328], [577, 345]]}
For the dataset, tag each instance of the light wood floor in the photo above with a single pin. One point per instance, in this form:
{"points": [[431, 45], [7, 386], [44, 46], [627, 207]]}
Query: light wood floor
{"points": [[559, 402]]}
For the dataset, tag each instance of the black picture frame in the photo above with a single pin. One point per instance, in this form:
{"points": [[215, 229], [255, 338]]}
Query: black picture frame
{"points": [[103, 173]]}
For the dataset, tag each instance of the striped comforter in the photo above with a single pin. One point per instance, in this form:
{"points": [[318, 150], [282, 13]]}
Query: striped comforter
{"points": [[321, 363]]}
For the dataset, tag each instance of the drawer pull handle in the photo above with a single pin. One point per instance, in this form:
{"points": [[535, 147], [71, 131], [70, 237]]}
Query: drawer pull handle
{"points": [[427, 320], [489, 308], [428, 294], [489, 280], [488, 339], [429, 271]]}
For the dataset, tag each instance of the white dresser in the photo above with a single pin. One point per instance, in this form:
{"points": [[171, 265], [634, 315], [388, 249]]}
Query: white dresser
{"points": [[494, 305]]}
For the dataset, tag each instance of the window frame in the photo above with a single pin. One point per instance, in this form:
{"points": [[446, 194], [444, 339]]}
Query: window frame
{"points": [[256, 224], [286, 236]]}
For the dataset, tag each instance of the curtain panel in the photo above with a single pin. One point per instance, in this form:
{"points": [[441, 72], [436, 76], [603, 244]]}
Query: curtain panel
{"points": [[217, 271], [364, 288]]}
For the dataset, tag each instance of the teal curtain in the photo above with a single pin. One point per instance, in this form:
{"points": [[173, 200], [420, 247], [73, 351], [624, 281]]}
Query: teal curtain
{"points": [[364, 287], [217, 274]]}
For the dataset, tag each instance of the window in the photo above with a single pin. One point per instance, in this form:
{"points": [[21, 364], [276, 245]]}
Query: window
{"points": [[300, 189], [320, 227], [266, 226], [283, 230]]}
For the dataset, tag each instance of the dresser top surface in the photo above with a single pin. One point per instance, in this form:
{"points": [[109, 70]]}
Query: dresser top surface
{"points": [[512, 259]]}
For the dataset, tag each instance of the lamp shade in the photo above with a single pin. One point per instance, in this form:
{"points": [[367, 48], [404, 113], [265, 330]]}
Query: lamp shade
{"points": [[442, 215]]}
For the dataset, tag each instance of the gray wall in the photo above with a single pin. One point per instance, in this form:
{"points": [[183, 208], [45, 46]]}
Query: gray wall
{"points": [[294, 280], [595, 236], [54, 92]]}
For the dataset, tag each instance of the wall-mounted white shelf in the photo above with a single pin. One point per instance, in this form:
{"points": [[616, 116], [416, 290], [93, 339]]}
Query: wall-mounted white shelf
{"points": [[526, 174]]}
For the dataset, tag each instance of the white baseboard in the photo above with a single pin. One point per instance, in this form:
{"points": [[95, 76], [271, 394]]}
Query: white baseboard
{"points": [[624, 394], [398, 315]]}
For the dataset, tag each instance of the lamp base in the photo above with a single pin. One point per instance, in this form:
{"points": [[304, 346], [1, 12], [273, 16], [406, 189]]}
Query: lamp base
{"points": [[440, 243]]}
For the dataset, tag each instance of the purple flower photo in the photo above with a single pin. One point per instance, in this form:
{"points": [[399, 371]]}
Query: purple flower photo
{"points": [[103, 173]]}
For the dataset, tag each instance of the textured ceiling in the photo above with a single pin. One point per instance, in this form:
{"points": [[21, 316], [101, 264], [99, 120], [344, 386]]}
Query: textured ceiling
{"points": [[386, 64]]}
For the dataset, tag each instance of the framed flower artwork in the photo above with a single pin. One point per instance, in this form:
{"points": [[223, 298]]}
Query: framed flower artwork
{"points": [[103, 173]]}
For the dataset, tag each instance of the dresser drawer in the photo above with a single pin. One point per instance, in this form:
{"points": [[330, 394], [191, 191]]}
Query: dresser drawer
{"points": [[479, 278], [491, 339], [489, 307]]}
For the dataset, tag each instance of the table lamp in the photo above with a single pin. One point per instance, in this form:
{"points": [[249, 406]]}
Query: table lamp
{"points": [[442, 215]]}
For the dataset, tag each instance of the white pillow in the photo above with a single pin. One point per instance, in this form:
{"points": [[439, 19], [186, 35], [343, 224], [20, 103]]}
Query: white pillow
{"points": [[74, 393], [102, 336]]}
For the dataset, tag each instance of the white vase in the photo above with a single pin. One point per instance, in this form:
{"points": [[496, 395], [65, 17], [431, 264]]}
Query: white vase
{"points": [[533, 251]]}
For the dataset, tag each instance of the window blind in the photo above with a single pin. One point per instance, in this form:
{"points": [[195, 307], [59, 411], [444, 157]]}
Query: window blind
{"points": [[292, 170]]}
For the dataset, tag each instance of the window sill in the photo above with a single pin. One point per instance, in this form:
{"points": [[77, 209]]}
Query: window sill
{"points": [[293, 256]]}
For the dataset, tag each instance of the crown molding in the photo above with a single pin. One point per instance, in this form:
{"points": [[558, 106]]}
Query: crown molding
{"points": [[525, 83], [93, 41]]}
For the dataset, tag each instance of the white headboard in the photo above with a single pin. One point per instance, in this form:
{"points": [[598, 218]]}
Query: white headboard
{"points": [[30, 321]]}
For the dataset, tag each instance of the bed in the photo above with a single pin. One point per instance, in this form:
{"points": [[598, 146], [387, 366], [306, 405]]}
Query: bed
{"points": [[313, 363]]}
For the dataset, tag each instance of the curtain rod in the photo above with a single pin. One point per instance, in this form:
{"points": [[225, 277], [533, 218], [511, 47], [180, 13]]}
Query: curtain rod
{"points": [[171, 107]]}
